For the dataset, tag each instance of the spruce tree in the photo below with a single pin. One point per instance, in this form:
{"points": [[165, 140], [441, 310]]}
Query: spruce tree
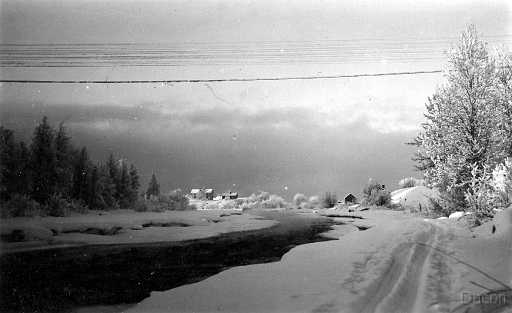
{"points": [[113, 174], [80, 172], [64, 155], [95, 187], [22, 183], [134, 182], [108, 188], [7, 163], [153, 187], [124, 186], [43, 162]]}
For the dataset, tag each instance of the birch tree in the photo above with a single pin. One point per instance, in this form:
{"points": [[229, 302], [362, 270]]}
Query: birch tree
{"points": [[464, 120]]}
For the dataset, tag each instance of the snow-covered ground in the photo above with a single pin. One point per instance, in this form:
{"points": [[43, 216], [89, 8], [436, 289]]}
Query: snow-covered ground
{"points": [[414, 198], [123, 227], [402, 264]]}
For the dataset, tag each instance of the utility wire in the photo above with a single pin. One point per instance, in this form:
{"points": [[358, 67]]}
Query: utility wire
{"points": [[214, 80], [225, 53]]}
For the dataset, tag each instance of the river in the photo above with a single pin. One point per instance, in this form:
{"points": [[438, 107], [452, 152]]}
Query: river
{"points": [[114, 276]]}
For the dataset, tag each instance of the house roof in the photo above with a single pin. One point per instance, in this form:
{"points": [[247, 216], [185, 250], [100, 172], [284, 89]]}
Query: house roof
{"points": [[210, 190], [195, 190], [350, 196]]}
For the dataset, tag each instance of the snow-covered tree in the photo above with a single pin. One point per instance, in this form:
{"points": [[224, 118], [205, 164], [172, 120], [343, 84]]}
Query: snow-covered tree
{"points": [[298, 199], [504, 101], [465, 127], [502, 182], [479, 195]]}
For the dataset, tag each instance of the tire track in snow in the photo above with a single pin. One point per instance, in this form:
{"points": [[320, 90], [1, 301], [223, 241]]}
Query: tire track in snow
{"points": [[402, 286]]}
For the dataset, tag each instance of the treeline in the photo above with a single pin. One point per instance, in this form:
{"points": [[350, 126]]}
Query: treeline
{"points": [[53, 177]]}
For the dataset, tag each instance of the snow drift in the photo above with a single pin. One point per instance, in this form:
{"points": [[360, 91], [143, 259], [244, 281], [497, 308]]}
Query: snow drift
{"points": [[414, 198]]}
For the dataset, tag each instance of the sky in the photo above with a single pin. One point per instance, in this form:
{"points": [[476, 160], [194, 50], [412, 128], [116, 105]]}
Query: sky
{"points": [[308, 136]]}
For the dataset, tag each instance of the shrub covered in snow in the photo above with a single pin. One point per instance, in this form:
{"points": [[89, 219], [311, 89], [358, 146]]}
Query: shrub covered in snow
{"points": [[486, 190], [374, 193], [298, 199], [379, 198], [174, 201], [314, 201], [302, 202], [438, 207], [480, 194], [178, 201], [274, 201], [261, 200]]}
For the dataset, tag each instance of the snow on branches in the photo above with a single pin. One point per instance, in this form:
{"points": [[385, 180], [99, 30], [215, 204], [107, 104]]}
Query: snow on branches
{"points": [[468, 128]]}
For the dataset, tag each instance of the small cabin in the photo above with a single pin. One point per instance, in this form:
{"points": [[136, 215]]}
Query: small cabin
{"points": [[230, 195], [350, 199], [196, 193], [208, 194]]}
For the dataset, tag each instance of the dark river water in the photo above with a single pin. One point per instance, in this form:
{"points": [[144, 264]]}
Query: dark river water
{"points": [[61, 280]]}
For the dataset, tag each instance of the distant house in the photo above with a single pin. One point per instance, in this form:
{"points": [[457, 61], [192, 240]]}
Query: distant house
{"points": [[230, 195], [197, 193], [208, 194], [202, 194], [350, 199]]}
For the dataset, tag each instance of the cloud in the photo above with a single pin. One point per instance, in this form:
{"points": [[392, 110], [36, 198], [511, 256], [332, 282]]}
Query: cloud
{"points": [[384, 114], [255, 149]]}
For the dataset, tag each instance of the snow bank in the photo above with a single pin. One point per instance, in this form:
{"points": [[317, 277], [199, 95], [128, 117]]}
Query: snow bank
{"points": [[414, 198], [456, 215]]}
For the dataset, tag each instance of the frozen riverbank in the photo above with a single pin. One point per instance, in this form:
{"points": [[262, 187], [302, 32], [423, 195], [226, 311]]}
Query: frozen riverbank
{"points": [[122, 227], [64, 279]]}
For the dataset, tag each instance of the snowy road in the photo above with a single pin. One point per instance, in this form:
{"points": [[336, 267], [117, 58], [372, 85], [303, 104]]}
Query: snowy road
{"points": [[399, 265]]}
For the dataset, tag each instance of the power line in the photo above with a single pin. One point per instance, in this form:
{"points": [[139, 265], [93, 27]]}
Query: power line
{"points": [[235, 53], [214, 80], [355, 39]]}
